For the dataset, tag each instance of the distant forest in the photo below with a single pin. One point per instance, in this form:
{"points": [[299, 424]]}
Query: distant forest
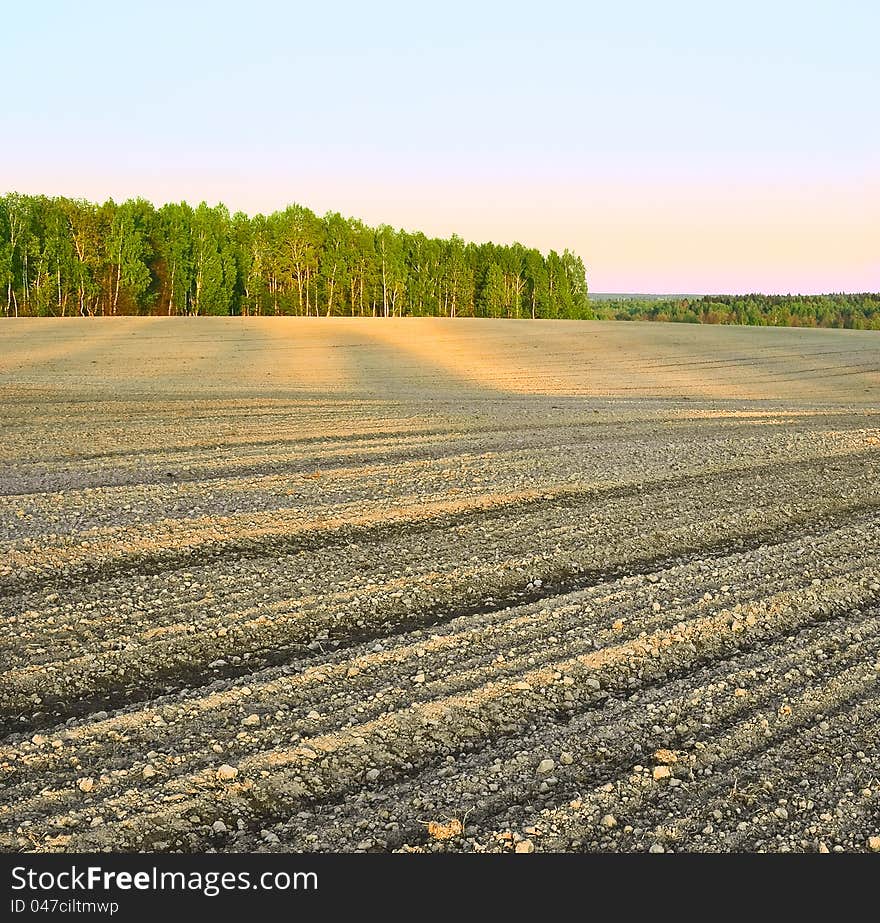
{"points": [[861, 312], [63, 257]]}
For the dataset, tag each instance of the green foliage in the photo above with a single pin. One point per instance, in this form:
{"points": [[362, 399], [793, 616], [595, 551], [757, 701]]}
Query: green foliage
{"points": [[62, 257], [174, 247], [130, 251], [66, 256], [492, 294], [215, 272], [857, 311]]}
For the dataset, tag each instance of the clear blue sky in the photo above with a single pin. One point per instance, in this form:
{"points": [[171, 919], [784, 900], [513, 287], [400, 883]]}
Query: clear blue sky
{"points": [[677, 146]]}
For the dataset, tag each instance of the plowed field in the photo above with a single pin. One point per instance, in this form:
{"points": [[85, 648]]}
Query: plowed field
{"points": [[326, 585]]}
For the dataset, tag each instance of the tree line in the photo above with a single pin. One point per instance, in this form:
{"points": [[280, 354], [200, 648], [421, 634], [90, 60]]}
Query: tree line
{"points": [[856, 311], [63, 257]]}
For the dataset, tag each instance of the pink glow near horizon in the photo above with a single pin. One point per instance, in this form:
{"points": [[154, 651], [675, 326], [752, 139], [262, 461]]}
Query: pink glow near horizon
{"points": [[677, 147], [669, 236]]}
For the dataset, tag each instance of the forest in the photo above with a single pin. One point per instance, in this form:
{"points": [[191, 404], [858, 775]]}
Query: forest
{"points": [[62, 257], [857, 311], [67, 257]]}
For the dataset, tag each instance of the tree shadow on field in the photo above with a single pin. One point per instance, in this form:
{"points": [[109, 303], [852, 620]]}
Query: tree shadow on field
{"points": [[443, 359]]}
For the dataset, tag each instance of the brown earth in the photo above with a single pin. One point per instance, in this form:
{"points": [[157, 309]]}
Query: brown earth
{"points": [[302, 584]]}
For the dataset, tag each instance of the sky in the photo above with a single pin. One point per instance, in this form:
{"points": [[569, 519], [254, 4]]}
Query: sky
{"points": [[678, 147]]}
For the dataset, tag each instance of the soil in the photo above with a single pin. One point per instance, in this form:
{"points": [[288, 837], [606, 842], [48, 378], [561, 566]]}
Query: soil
{"points": [[277, 584]]}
